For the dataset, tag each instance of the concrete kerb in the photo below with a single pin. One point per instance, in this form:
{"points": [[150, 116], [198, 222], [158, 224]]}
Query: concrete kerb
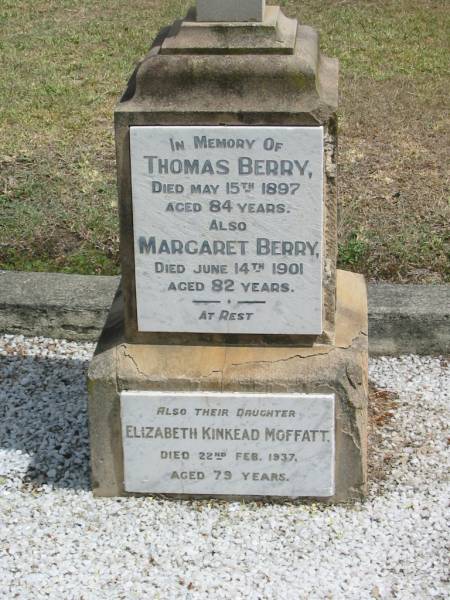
{"points": [[403, 319]]}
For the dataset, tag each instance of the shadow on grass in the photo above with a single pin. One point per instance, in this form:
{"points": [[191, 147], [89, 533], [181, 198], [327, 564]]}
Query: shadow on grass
{"points": [[43, 414]]}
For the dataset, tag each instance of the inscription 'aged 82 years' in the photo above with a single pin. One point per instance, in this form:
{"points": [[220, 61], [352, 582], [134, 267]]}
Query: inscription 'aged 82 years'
{"points": [[228, 229], [219, 443]]}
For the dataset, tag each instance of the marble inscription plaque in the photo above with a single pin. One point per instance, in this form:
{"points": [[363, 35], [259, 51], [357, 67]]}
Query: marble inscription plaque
{"points": [[228, 443], [228, 229]]}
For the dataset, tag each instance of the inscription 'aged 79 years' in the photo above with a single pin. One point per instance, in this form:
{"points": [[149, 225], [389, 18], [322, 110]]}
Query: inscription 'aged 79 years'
{"points": [[224, 443], [228, 229]]}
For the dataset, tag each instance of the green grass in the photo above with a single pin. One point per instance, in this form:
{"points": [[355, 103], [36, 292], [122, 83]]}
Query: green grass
{"points": [[380, 39], [65, 63]]}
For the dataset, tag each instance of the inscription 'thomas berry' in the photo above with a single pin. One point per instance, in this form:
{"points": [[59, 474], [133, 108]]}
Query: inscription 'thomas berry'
{"points": [[243, 166]]}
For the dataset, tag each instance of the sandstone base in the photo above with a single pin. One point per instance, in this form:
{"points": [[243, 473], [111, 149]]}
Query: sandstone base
{"points": [[340, 368]]}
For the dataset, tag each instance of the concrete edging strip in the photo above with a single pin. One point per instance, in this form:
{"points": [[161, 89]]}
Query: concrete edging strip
{"points": [[403, 319]]}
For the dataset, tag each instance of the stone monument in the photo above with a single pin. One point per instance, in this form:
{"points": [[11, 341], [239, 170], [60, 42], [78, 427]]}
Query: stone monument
{"points": [[234, 359]]}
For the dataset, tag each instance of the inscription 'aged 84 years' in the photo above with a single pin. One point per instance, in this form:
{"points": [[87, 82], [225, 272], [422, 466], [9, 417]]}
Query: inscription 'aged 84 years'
{"points": [[228, 229], [219, 443]]}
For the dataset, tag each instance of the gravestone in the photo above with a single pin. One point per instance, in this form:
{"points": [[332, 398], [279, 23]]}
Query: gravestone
{"points": [[234, 359]]}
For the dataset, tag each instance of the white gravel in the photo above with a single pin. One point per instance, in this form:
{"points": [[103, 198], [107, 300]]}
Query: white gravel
{"points": [[57, 541]]}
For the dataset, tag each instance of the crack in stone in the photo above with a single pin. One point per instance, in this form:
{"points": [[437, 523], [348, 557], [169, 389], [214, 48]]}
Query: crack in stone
{"points": [[350, 380], [116, 374], [128, 355], [211, 373], [346, 346], [352, 436], [280, 360], [223, 369]]}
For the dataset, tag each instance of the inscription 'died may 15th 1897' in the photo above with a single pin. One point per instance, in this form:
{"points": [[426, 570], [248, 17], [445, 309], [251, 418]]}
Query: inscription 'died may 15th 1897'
{"points": [[228, 443], [228, 229]]}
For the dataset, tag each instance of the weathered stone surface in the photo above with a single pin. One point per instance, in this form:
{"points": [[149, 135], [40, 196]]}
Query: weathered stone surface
{"points": [[55, 305], [230, 10], [409, 319], [275, 34], [323, 368], [248, 89]]}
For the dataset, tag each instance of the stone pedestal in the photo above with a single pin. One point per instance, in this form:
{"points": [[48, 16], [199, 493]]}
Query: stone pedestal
{"points": [[340, 368], [235, 362]]}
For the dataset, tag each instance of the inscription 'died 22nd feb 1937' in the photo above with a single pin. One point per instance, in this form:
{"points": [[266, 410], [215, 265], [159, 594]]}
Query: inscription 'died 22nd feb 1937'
{"points": [[228, 443], [228, 229]]}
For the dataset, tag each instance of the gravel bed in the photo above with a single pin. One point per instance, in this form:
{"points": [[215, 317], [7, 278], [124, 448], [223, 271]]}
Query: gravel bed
{"points": [[57, 541]]}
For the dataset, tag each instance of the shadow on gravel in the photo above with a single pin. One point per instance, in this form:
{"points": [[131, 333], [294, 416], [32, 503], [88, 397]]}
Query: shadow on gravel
{"points": [[43, 413]]}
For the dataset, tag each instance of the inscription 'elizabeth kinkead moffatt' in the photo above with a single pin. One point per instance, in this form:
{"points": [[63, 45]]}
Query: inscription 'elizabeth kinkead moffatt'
{"points": [[228, 229], [224, 443]]}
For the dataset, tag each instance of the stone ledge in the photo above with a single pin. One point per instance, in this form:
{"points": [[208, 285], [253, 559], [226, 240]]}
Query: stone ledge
{"points": [[402, 318]]}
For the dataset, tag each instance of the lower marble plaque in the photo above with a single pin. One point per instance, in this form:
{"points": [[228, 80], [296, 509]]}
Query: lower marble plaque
{"points": [[228, 443]]}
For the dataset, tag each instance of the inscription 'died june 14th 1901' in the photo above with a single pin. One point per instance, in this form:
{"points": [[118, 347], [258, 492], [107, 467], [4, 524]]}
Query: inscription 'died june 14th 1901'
{"points": [[228, 229], [228, 443]]}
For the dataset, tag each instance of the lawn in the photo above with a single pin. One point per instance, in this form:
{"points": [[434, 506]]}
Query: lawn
{"points": [[65, 63]]}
